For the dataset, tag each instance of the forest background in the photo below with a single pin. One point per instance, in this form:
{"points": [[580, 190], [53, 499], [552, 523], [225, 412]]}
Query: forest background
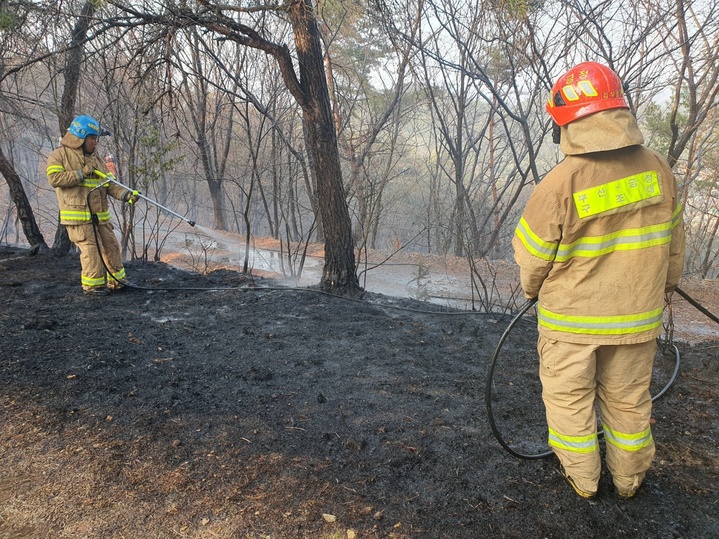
{"points": [[414, 125]]}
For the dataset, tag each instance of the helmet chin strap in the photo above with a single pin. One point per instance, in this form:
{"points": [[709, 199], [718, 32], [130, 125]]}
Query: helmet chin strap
{"points": [[556, 133]]}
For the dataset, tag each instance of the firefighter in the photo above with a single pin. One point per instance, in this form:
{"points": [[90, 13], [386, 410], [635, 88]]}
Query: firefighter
{"points": [[110, 162], [70, 170], [600, 243]]}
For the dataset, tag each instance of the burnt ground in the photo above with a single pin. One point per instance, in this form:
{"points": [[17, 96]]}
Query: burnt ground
{"points": [[267, 413]]}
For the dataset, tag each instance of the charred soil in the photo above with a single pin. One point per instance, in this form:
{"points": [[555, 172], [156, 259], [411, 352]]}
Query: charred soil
{"points": [[252, 411]]}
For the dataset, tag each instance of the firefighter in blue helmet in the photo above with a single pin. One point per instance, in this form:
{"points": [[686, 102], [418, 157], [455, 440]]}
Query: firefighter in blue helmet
{"points": [[70, 170]]}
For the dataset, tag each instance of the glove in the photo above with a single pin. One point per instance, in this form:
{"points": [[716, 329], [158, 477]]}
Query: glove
{"points": [[88, 171], [131, 197]]}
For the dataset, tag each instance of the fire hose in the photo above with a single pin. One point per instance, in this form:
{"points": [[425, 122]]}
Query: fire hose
{"points": [[493, 363]]}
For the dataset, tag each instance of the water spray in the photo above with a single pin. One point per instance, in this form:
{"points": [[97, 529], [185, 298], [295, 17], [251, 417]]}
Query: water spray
{"points": [[111, 178]]}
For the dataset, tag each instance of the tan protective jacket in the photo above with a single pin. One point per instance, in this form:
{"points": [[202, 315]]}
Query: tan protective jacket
{"points": [[602, 239], [64, 172]]}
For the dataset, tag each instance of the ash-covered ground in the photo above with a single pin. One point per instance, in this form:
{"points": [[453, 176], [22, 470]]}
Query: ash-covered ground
{"points": [[251, 411]]}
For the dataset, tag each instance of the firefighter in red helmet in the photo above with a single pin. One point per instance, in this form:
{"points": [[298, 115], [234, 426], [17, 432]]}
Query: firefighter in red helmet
{"points": [[600, 242]]}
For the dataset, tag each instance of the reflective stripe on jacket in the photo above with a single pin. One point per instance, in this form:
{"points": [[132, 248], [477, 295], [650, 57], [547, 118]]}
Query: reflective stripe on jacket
{"points": [[64, 173], [600, 241]]}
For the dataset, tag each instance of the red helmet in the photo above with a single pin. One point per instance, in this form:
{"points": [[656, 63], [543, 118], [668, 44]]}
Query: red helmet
{"points": [[587, 88]]}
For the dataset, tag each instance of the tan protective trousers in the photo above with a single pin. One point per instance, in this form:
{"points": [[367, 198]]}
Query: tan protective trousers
{"points": [[618, 377], [94, 274]]}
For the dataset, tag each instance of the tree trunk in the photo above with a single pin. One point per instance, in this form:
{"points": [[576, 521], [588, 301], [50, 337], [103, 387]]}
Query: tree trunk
{"points": [[198, 99], [22, 204], [218, 202], [339, 273], [214, 179], [73, 64], [61, 244]]}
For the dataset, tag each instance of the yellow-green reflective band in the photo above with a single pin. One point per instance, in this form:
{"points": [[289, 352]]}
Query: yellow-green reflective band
{"points": [[617, 193], [676, 216], [53, 169], [576, 444], [630, 239], [118, 275], [92, 183], [628, 442], [601, 325], [75, 215], [90, 281], [534, 244], [82, 216]]}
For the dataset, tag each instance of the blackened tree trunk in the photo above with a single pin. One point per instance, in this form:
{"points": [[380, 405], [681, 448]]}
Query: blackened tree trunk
{"points": [[339, 269], [22, 205]]}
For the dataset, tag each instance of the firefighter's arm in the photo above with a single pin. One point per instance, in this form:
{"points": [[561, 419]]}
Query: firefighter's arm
{"points": [[676, 250], [532, 270], [121, 193], [536, 240], [116, 191], [58, 176]]}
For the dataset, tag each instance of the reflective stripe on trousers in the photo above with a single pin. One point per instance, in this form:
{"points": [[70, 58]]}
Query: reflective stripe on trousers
{"points": [[628, 441], [577, 444]]}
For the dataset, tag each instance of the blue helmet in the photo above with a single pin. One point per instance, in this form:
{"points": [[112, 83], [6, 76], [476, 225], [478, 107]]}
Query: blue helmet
{"points": [[83, 126]]}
